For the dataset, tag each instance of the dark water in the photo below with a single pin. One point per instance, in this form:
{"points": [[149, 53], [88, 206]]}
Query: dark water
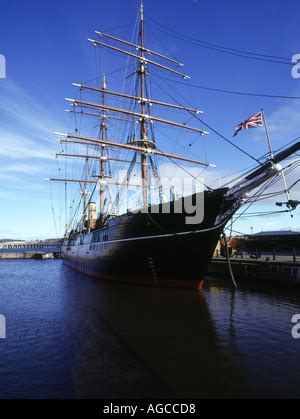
{"points": [[70, 336]]}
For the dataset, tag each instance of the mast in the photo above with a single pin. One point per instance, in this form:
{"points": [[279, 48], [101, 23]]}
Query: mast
{"points": [[267, 134], [287, 193], [85, 193], [144, 145], [144, 130], [102, 160]]}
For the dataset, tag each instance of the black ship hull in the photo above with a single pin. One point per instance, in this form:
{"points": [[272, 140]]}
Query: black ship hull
{"points": [[153, 247]]}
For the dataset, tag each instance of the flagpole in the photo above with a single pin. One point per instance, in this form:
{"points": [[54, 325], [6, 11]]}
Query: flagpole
{"points": [[272, 156], [267, 133]]}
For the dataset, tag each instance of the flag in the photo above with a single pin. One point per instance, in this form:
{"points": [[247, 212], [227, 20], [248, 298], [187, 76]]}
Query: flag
{"points": [[254, 121]]}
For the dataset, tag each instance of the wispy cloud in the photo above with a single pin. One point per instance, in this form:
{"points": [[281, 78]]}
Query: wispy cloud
{"points": [[27, 126], [20, 167], [16, 146], [27, 145], [17, 104]]}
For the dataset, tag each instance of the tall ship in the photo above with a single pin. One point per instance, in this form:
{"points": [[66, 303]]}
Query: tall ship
{"points": [[128, 225]]}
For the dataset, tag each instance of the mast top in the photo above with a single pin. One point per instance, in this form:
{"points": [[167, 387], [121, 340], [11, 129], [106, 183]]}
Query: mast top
{"points": [[104, 85], [142, 11]]}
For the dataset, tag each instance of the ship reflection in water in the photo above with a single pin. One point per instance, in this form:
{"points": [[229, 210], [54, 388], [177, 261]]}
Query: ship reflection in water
{"points": [[73, 336]]}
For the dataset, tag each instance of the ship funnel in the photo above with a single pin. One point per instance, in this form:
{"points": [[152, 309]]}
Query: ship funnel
{"points": [[92, 215]]}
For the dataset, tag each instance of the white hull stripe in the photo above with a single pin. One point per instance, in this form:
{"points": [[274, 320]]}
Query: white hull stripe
{"points": [[164, 236]]}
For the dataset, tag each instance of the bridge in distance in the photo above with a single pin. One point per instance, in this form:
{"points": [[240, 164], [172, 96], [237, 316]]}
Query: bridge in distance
{"points": [[31, 247]]}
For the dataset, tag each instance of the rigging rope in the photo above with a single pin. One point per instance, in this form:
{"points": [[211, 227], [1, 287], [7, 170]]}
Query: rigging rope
{"points": [[232, 92], [224, 50], [157, 177], [214, 130]]}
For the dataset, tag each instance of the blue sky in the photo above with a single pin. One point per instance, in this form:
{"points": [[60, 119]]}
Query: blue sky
{"points": [[46, 49]]}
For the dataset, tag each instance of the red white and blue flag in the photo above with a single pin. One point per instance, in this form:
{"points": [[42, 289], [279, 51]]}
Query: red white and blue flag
{"points": [[254, 121]]}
